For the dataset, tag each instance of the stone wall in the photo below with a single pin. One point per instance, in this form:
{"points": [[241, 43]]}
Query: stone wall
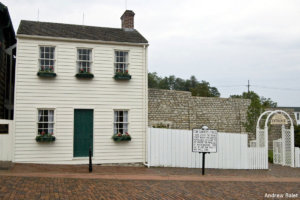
{"points": [[181, 110]]}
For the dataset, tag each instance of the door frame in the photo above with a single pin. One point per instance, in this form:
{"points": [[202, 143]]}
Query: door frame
{"points": [[73, 115]]}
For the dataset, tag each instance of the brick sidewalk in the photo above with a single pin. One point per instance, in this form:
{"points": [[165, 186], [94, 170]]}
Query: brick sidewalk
{"points": [[274, 171], [29, 181], [73, 189]]}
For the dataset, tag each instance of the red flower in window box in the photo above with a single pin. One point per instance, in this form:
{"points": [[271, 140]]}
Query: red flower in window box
{"points": [[81, 70], [121, 137], [43, 133]]}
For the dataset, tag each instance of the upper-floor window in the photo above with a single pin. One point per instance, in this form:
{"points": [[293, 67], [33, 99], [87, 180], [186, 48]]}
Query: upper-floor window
{"points": [[84, 60], [45, 121], [47, 59], [121, 61], [120, 122]]}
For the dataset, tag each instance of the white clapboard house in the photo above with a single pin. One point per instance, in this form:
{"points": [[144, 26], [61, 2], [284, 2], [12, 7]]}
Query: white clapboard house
{"points": [[79, 88]]}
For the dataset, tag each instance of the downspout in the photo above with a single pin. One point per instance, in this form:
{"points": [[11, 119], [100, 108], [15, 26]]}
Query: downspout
{"points": [[146, 105]]}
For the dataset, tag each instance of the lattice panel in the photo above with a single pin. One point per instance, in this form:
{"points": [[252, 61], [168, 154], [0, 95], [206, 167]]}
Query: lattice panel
{"points": [[277, 151], [287, 147], [261, 137], [253, 143]]}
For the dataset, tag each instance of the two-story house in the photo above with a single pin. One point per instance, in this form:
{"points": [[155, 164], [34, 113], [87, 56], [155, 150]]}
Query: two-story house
{"points": [[80, 87]]}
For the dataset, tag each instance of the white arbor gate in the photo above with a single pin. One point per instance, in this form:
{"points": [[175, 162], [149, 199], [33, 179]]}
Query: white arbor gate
{"points": [[283, 148]]}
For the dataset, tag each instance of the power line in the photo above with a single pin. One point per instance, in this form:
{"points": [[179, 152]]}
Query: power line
{"points": [[259, 87], [276, 88], [222, 86]]}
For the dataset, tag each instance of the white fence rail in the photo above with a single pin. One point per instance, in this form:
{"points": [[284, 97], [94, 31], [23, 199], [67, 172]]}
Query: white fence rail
{"points": [[173, 148], [6, 140], [297, 157]]}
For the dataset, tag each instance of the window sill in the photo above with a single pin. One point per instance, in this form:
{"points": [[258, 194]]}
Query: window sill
{"points": [[84, 75], [40, 138], [122, 77], [46, 74]]}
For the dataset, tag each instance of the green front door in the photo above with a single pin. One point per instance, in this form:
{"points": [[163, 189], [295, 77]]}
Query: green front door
{"points": [[83, 132]]}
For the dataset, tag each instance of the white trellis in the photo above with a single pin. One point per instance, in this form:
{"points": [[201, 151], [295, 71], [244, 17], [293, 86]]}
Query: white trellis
{"points": [[283, 148]]}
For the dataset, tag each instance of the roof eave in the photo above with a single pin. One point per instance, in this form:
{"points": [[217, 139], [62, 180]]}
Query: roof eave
{"points": [[79, 40]]}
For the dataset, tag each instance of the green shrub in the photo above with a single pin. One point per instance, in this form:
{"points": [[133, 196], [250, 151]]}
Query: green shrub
{"points": [[270, 156]]}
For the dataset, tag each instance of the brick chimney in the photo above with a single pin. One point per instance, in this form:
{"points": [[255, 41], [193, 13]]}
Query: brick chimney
{"points": [[128, 19]]}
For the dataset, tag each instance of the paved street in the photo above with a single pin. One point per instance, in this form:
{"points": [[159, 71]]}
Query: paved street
{"points": [[33, 182]]}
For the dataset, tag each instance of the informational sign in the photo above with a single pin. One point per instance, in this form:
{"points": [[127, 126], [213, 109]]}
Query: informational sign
{"points": [[279, 119], [204, 141]]}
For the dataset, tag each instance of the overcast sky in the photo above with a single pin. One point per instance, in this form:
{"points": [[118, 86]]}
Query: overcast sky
{"points": [[224, 42]]}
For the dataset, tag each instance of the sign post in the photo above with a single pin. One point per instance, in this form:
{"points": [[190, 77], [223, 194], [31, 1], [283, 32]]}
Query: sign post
{"points": [[204, 141]]}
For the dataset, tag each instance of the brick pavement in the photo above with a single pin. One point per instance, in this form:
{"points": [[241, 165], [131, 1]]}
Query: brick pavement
{"points": [[27, 181], [68, 188]]}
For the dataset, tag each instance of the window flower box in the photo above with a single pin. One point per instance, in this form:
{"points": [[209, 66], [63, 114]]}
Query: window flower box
{"points": [[42, 137], [121, 137], [84, 74], [46, 71], [46, 74], [122, 75]]}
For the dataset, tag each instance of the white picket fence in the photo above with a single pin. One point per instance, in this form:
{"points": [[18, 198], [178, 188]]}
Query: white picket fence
{"points": [[6, 141], [297, 157], [173, 148]]}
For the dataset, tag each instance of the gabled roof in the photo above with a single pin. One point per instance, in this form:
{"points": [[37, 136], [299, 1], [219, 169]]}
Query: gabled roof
{"points": [[34, 28]]}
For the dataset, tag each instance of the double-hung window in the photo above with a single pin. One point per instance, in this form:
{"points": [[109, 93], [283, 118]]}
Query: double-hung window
{"points": [[47, 59], [120, 122], [121, 61], [45, 121], [84, 60]]}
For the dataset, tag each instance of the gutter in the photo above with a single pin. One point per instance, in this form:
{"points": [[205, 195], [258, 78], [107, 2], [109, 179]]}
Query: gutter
{"points": [[23, 36]]}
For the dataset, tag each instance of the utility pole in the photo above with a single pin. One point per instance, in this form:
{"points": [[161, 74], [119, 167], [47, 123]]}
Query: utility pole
{"points": [[248, 86]]}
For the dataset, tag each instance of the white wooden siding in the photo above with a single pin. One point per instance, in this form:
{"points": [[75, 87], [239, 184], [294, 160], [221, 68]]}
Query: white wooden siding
{"points": [[6, 141], [65, 93], [173, 148]]}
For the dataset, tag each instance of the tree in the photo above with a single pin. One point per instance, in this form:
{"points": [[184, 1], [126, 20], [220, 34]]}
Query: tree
{"points": [[197, 88], [153, 80], [256, 107]]}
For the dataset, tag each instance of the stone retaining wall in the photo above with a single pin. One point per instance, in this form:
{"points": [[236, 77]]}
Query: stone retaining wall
{"points": [[181, 110]]}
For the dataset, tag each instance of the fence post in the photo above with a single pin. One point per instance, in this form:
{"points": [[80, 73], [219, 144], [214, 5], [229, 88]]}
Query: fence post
{"points": [[90, 160]]}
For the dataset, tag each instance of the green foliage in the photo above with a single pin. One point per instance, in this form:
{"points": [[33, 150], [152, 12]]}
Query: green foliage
{"points": [[256, 107], [270, 156], [197, 88], [161, 125], [297, 136], [121, 137]]}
